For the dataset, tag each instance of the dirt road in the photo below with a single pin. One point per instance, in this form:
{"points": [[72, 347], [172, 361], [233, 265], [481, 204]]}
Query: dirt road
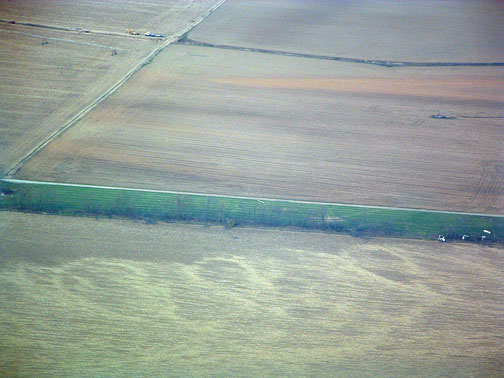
{"points": [[129, 74]]}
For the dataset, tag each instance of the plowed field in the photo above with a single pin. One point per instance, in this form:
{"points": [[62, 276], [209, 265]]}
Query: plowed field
{"points": [[161, 17], [49, 75], [407, 30], [84, 297], [233, 122], [44, 85]]}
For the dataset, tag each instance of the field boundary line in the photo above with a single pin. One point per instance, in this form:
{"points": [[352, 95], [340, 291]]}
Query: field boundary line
{"points": [[174, 38], [185, 40], [230, 211], [75, 30], [258, 199]]}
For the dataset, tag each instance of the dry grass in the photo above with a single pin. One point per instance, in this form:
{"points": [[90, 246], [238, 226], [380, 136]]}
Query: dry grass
{"points": [[106, 297], [286, 127], [411, 30]]}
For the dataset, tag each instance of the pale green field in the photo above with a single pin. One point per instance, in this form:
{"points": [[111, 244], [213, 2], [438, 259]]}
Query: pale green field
{"points": [[86, 297]]}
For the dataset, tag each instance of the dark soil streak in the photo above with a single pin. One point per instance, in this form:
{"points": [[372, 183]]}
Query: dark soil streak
{"points": [[184, 40]]}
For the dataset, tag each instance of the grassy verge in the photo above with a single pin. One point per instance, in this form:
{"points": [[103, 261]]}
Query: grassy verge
{"points": [[231, 211]]}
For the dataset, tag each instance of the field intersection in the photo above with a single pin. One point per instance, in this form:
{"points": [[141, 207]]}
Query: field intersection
{"points": [[55, 73]]}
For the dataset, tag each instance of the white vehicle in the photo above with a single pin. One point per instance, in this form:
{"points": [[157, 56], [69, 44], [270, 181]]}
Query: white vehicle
{"points": [[149, 34]]}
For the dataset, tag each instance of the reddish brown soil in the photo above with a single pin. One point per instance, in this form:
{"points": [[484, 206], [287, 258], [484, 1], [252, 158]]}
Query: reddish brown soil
{"points": [[209, 120]]}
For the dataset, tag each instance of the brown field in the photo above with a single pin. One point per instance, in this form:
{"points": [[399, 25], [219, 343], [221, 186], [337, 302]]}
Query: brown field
{"points": [[85, 297], [107, 297], [160, 17], [232, 122], [411, 30], [44, 86]]}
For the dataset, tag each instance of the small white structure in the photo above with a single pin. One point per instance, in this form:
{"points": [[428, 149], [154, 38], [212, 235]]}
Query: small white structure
{"points": [[483, 237], [441, 238], [464, 237], [487, 232]]}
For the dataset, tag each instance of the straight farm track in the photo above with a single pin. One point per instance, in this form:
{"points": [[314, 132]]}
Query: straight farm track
{"points": [[47, 77], [106, 16]]}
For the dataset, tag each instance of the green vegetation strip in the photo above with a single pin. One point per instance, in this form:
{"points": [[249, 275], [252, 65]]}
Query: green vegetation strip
{"points": [[230, 211]]}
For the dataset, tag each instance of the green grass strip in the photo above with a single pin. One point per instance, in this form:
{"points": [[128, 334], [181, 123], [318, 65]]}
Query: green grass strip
{"points": [[229, 210]]}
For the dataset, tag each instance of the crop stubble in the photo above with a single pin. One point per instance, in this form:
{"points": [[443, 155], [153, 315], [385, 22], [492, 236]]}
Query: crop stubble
{"points": [[84, 296], [411, 30], [232, 122], [44, 85], [161, 17]]}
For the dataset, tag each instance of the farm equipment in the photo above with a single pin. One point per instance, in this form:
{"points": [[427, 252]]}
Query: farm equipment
{"points": [[132, 32], [149, 34]]}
